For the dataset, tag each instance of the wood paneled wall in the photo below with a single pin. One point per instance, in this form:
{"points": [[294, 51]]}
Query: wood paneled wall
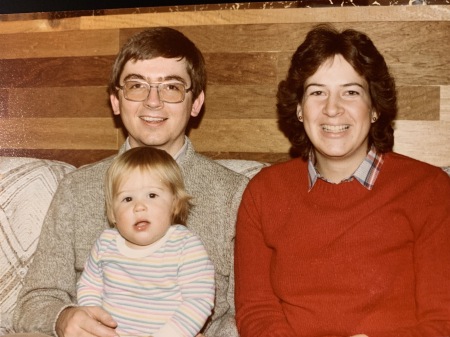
{"points": [[53, 76]]}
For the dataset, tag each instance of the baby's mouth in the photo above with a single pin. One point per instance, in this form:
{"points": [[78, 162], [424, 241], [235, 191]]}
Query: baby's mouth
{"points": [[140, 225]]}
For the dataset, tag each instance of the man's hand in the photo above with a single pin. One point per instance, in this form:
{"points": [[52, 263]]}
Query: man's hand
{"points": [[85, 322]]}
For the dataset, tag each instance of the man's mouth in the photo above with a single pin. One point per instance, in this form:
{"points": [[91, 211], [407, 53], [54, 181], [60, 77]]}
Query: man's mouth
{"points": [[335, 128], [153, 119]]}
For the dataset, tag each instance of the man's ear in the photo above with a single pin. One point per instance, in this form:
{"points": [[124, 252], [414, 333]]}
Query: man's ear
{"points": [[115, 104], [197, 104]]}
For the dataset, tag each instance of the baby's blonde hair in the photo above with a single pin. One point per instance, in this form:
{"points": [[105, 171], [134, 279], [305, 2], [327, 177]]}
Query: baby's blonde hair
{"points": [[148, 159]]}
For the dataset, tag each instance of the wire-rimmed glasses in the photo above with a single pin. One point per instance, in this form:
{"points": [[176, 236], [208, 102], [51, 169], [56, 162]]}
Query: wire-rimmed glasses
{"points": [[169, 92]]}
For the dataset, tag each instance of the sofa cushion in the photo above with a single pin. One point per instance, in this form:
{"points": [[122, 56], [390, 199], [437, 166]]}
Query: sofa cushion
{"points": [[26, 189], [246, 167]]}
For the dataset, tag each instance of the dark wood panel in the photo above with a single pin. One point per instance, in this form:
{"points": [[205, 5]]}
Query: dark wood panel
{"points": [[258, 156], [23, 10], [77, 102], [241, 68], [55, 72], [74, 157], [3, 103]]}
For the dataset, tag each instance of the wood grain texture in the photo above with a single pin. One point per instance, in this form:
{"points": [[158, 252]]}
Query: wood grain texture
{"points": [[251, 16], [445, 103], [54, 74], [59, 133], [59, 102], [59, 44]]}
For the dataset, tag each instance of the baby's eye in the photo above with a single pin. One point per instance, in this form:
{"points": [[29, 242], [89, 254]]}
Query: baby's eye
{"points": [[152, 195], [127, 199]]}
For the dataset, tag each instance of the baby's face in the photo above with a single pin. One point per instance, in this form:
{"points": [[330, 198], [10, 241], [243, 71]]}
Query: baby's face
{"points": [[143, 208]]}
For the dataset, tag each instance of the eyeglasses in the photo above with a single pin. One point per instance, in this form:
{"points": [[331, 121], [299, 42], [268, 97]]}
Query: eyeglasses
{"points": [[170, 92]]}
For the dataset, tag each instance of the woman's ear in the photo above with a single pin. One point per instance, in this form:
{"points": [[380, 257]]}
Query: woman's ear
{"points": [[374, 116], [299, 112]]}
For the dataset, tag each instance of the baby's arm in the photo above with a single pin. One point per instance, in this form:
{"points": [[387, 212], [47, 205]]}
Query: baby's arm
{"points": [[196, 279], [90, 284]]}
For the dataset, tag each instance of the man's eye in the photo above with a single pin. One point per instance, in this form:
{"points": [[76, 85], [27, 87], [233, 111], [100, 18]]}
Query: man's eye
{"points": [[173, 86], [136, 86]]}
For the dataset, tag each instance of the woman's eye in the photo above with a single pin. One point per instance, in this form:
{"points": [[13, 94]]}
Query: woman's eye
{"points": [[352, 93]]}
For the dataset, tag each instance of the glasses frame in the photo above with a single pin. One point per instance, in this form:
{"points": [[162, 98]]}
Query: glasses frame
{"points": [[156, 85]]}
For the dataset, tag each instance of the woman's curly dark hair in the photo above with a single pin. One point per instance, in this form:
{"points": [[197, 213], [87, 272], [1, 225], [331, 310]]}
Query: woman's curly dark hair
{"points": [[322, 43]]}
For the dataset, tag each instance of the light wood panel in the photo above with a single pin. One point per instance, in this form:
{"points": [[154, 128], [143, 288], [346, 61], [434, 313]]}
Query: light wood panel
{"points": [[54, 74]]}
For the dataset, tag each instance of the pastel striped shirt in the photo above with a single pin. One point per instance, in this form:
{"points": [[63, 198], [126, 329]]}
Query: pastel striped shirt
{"points": [[164, 290]]}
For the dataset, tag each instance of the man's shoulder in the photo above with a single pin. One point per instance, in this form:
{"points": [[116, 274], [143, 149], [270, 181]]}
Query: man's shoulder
{"points": [[93, 169], [199, 164], [86, 178]]}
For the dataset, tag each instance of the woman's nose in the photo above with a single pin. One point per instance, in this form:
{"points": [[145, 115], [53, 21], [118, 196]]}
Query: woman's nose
{"points": [[333, 106]]}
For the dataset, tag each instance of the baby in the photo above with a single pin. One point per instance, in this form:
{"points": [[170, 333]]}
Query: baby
{"points": [[150, 272]]}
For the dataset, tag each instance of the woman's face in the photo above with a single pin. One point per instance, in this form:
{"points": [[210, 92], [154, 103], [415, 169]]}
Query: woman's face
{"points": [[337, 113]]}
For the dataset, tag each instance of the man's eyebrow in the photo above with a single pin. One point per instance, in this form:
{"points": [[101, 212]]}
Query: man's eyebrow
{"points": [[134, 77], [161, 79]]}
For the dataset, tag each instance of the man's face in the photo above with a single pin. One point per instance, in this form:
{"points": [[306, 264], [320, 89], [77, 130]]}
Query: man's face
{"points": [[153, 122]]}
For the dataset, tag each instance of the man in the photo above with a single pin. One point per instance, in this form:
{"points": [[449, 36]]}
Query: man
{"points": [[158, 82]]}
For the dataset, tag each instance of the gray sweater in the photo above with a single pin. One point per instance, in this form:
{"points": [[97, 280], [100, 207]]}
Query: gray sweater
{"points": [[76, 217]]}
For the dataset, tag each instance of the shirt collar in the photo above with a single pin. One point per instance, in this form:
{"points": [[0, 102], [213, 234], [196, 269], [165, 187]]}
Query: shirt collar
{"points": [[366, 173], [178, 156]]}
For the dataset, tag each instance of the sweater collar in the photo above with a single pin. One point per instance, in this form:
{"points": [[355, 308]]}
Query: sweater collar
{"points": [[178, 156], [366, 173]]}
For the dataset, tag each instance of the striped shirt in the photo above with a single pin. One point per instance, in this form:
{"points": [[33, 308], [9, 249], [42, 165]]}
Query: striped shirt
{"points": [[166, 289], [366, 173]]}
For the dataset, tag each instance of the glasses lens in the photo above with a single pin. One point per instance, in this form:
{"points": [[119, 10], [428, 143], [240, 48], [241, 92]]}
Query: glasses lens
{"points": [[168, 92], [171, 92], [136, 90]]}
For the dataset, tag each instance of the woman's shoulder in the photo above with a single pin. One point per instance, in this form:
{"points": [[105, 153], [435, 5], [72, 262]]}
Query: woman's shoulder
{"points": [[407, 164], [401, 166]]}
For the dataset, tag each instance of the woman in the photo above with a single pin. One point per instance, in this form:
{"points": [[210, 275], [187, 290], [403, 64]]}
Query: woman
{"points": [[350, 238]]}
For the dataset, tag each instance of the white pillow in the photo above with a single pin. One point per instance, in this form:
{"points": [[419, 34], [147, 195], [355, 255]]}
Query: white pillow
{"points": [[27, 186], [246, 167]]}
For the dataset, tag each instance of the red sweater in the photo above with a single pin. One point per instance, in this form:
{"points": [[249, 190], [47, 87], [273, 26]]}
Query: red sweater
{"points": [[342, 260]]}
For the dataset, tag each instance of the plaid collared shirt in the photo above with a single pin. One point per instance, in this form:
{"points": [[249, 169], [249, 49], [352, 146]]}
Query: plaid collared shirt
{"points": [[366, 173]]}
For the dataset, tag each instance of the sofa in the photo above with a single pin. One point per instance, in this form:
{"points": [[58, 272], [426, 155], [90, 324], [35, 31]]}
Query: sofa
{"points": [[26, 189]]}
